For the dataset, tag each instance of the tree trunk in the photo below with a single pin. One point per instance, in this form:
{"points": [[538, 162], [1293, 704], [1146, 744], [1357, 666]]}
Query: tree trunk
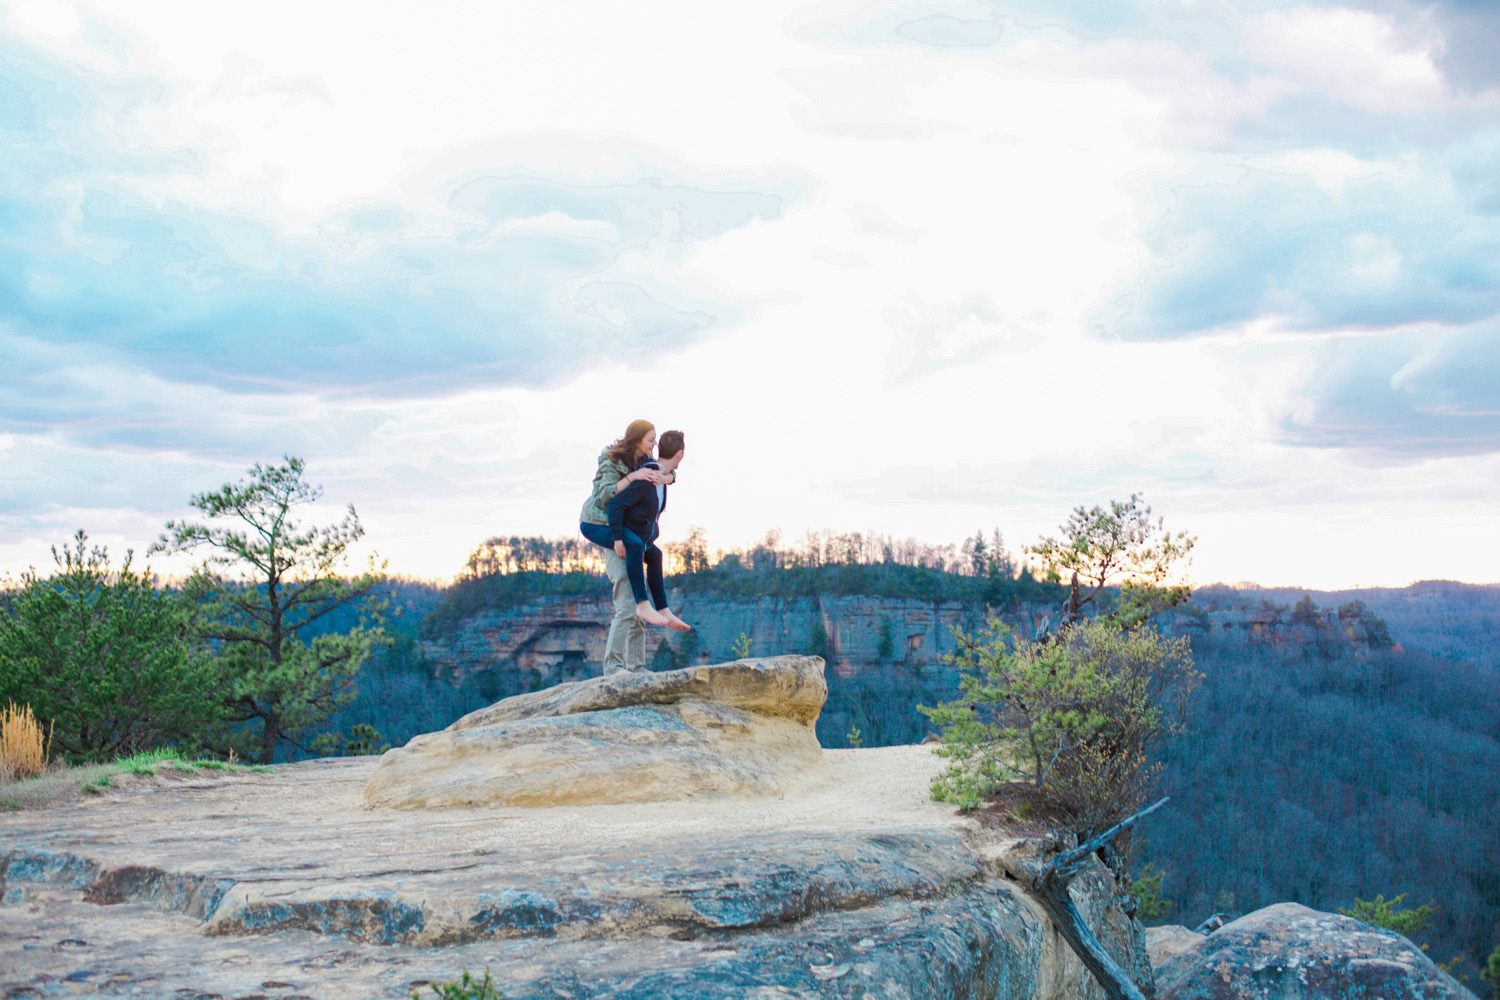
{"points": [[1071, 607], [1049, 885], [270, 735]]}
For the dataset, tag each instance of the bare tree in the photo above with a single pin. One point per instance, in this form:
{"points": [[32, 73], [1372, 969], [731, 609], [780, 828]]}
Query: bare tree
{"points": [[1049, 885]]}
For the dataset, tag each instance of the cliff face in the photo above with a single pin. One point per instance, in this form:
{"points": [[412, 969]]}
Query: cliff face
{"points": [[555, 640], [550, 640], [561, 639], [1273, 626]]}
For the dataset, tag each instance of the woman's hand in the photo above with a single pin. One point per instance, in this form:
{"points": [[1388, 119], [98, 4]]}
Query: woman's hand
{"points": [[651, 476], [620, 549]]}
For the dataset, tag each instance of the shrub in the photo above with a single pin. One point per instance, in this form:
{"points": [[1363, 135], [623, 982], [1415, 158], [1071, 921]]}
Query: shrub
{"points": [[818, 642], [364, 740], [887, 646], [1390, 914], [1071, 720], [1146, 888], [101, 653], [465, 988], [1306, 612], [23, 747]]}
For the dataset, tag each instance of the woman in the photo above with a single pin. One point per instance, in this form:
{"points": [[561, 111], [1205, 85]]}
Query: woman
{"points": [[621, 464]]}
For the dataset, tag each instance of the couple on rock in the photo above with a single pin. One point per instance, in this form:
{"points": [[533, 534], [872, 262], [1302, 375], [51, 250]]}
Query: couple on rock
{"points": [[629, 494]]}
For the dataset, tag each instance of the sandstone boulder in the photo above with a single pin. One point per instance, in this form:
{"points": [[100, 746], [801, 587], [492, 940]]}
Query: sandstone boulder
{"points": [[1168, 940], [739, 729], [1289, 952]]}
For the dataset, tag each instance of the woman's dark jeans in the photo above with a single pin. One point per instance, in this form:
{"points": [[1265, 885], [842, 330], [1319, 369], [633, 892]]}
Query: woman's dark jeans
{"points": [[637, 553]]}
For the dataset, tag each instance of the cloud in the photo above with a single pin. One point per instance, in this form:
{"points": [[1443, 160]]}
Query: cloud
{"points": [[1366, 51], [1472, 31], [46, 476], [1319, 242], [929, 337], [1469, 32], [1408, 395], [1316, 120], [1354, 57], [947, 31], [968, 24], [1318, 168], [508, 278], [104, 401]]}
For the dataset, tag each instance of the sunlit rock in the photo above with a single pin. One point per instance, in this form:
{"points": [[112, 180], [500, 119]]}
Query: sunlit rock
{"points": [[741, 729]]}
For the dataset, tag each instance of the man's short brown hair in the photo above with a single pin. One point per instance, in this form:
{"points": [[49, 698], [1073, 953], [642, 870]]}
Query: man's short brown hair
{"points": [[669, 444]]}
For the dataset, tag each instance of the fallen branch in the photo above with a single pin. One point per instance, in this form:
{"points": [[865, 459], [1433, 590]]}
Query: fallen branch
{"points": [[1049, 885]]}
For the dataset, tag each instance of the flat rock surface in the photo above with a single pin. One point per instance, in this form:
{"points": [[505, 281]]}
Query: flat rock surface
{"points": [[282, 884], [1289, 952]]}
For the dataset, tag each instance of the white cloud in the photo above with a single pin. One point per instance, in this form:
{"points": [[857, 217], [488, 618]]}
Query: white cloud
{"points": [[1335, 170], [55, 20], [1356, 57]]}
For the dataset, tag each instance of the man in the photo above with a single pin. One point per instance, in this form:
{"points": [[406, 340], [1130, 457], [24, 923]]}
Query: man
{"points": [[634, 565]]}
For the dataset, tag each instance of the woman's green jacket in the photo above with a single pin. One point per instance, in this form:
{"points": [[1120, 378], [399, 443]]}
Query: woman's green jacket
{"points": [[607, 477]]}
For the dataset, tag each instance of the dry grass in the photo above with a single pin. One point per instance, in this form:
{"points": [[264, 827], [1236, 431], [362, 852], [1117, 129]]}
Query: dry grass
{"points": [[23, 746]]}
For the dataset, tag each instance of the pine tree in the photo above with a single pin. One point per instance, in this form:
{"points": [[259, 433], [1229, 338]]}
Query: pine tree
{"points": [[263, 591]]}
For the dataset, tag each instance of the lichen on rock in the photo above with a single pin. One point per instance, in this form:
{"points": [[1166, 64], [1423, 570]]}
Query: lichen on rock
{"points": [[1289, 952]]}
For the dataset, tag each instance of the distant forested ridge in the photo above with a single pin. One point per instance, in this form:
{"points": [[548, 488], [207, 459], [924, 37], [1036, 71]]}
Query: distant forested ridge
{"points": [[1442, 618], [506, 573]]}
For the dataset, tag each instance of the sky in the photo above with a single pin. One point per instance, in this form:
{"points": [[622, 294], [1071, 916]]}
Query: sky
{"points": [[916, 268]]}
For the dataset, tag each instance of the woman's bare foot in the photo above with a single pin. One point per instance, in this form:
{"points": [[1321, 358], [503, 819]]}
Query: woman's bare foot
{"points": [[646, 613], [673, 621]]}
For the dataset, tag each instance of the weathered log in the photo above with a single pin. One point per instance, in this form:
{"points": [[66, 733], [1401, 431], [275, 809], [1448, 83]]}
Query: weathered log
{"points": [[1049, 885], [1213, 923]]}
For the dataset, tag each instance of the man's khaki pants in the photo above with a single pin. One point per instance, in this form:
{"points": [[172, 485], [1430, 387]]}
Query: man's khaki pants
{"points": [[626, 649]]}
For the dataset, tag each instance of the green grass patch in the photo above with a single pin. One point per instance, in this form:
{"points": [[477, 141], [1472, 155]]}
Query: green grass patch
{"points": [[65, 783], [147, 761]]}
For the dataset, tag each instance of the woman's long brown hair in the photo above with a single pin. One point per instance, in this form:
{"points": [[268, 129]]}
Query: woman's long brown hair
{"points": [[623, 450]]}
